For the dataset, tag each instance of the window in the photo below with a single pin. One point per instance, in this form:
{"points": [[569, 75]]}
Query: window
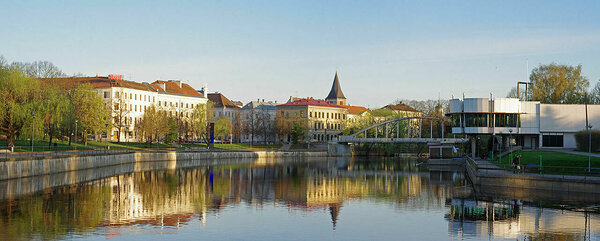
{"points": [[476, 120], [507, 120], [130, 96], [552, 140], [106, 94], [455, 120], [310, 114]]}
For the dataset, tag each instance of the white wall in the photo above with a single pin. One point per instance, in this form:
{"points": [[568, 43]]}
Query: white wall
{"points": [[567, 118], [476, 105]]}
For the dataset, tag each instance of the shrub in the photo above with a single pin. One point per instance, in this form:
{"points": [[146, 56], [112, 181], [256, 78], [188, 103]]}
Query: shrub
{"points": [[581, 137]]}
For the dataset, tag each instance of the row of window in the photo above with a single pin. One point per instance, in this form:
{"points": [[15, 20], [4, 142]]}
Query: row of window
{"points": [[147, 98], [330, 126], [337, 116], [485, 120]]}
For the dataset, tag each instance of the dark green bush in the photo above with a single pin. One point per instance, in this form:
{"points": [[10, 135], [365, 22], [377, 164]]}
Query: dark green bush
{"points": [[581, 137]]}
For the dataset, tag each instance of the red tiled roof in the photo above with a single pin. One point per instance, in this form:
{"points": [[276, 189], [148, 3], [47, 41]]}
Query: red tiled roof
{"points": [[355, 110], [221, 101], [172, 87], [311, 101]]}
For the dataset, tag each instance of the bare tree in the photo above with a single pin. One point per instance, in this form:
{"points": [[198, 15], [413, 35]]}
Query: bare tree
{"points": [[120, 113], [265, 124]]}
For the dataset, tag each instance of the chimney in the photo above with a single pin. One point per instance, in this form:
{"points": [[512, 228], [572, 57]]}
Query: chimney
{"points": [[178, 82], [204, 91]]}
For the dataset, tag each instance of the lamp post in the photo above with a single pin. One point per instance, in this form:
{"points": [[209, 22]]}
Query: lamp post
{"points": [[589, 148], [32, 131], [76, 133], [510, 144]]}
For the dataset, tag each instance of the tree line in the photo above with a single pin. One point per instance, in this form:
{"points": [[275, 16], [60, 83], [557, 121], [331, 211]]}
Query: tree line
{"points": [[31, 107]]}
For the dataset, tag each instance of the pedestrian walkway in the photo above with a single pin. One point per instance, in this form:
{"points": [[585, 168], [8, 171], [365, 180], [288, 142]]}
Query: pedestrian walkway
{"points": [[579, 153], [286, 147]]}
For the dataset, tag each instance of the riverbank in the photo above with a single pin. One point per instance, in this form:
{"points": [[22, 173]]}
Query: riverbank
{"points": [[37, 165], [487, 178]]}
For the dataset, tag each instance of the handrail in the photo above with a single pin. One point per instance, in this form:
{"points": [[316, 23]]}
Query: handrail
{"points": [[398, 119]]}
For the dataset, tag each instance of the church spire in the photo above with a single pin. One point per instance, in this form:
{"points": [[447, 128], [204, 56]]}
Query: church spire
{"points": [[336, 96]]}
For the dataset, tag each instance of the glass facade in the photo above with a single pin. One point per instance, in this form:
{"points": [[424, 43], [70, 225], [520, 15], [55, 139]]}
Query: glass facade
{"points": [[507, 120], [476, 120]]}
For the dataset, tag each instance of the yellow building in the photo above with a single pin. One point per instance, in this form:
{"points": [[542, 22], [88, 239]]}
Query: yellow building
{"points": [[321, 121]]}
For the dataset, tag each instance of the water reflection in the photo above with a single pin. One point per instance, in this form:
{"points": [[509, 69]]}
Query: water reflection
{"points": [[178, 198]]}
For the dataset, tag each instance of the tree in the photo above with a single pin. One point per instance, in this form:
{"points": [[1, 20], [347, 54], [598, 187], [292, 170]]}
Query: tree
{"points": [[223, 128], [250, 124], [201, 116], [90, 110], [297, 133], [120, 113], [153, 125], [172, 135], [18, 94], [558, 84], [594, 95], [38, 69], [55, 109], [265, 124]]}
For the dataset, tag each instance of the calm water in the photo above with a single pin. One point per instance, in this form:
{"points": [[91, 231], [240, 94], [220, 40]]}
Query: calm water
{"points": [[334, 199]]}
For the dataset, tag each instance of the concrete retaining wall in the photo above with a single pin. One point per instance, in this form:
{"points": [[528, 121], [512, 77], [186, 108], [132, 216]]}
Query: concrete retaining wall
{"points": [[493, 180], [19, 168]]}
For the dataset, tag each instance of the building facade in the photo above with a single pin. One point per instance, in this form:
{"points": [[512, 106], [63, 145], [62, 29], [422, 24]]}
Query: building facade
{"points": [[320, 120], [258, 118], [529, 124], [128, 100]]}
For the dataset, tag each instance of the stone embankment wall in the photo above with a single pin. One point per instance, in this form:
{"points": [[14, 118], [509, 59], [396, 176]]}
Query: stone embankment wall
{"points": [[525, 186], [29, 167]]}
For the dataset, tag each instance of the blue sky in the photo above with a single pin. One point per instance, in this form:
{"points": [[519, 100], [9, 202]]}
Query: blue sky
{"points": [[384, 50]]}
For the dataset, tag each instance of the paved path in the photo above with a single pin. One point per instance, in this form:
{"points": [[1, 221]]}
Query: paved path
{"points": [[578, 153], [286, 147]]}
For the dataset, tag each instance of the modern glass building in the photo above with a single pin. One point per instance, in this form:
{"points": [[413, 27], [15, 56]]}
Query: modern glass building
{"points": [[531, 124]]}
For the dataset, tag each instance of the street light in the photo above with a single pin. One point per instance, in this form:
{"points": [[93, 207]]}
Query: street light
{"points": [[76, 133], [589, 148], [510, 144], [32, 131]]}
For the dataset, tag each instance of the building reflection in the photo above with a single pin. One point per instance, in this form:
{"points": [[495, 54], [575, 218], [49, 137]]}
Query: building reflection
{"points": [[511, 219], [174, 198]]}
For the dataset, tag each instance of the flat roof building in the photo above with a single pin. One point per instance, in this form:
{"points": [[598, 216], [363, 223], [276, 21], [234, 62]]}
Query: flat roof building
{"points": [[531, 124]]}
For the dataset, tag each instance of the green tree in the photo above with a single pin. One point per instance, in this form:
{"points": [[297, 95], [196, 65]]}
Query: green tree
{"points": [[223, 128], [172, 131], [297, 133], [558, 84], [90, 110], [153, 125], [201, 116], [54, 110], [18, 94]]}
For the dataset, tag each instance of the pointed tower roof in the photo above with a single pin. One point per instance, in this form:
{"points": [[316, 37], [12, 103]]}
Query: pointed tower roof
{"points": [[336, 90]]}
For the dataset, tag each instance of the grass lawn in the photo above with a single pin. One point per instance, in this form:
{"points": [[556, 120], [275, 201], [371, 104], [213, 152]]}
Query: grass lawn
{"points": [[551, 160]]}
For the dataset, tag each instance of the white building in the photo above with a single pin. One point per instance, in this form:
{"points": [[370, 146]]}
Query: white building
{"points": [[531, 124], [179, 99]]}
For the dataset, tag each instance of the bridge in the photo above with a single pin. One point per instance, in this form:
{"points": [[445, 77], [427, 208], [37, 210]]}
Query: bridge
{"points": [[390, 132]]}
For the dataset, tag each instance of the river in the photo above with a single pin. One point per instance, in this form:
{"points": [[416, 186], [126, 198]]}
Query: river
{"points": [[317, 199]]}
